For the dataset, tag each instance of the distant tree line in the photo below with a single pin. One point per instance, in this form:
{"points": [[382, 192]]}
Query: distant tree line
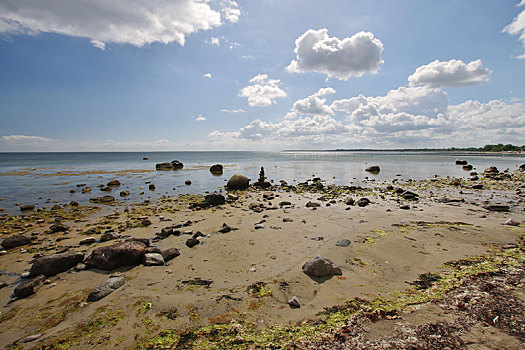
{"points": [[502, 148]]}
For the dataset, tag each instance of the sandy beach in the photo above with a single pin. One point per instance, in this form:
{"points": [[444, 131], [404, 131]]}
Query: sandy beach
{"points": [[232, 289]]}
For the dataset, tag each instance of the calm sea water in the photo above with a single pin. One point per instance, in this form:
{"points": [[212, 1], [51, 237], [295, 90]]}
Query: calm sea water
{"points": [[341, 168]]}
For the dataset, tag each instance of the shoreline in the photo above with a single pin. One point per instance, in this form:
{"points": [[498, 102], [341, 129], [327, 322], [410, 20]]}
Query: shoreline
{"points": [[255, 268]]}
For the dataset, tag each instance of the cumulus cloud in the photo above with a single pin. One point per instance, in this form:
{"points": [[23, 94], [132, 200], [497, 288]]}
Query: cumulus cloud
{"points": [[517, 27], [207, 75], [325, 91], [200, 118], [25, 139], [453, 73], [140, 23], [350, 57], [263, 91], [312, 105]]}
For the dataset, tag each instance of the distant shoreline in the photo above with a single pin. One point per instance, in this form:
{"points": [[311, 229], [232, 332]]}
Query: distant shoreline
{"points": [[430, 151]]}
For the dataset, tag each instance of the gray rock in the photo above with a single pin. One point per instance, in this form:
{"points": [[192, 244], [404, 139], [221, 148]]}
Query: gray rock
{"points": [[15, 241], [153, 259], [287, 220], [106, 288], [32, 338], [343, 243], [25, 289], [88, 241], [54, 264], [238, 182], [108, 236], [129, 253], [294, 302], [321, 267], [511, 222]]}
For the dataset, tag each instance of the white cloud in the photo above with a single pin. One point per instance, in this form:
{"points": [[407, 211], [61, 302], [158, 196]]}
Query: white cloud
{"points": [[312, 105], [520, 57], [138, 23], [452, 73], [200, 118], [325, 91], [230, 11], [98, 44], [350, 57], [240, 110], [215, 41], [25, 139], [517, 27], [263, 91], [207, 75]]}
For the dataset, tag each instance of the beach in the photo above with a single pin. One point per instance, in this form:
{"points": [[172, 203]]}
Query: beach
{"points": [[240, 259]]}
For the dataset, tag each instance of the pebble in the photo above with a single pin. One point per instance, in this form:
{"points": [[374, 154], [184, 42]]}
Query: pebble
{"points": [[259, 226], [511, 222], [32, 338], [343, 243], [253, 269], [294, 302]]}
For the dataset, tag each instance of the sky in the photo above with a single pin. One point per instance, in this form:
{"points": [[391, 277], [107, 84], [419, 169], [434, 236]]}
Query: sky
{"points": [[147, 75]]}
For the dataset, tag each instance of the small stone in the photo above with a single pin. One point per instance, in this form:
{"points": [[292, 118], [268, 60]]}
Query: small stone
{"points": [[319, 238], [259, 226], [321, 267], [124, 193], [32, 338], [405, 207], [27, 207], [87, 241], [511, 222], [253, 269], [374, 169], [114, 183], [187, 182], [343, 243], [287, 220], [294, 302], [312, 205], [192, 242], [153, 259]]}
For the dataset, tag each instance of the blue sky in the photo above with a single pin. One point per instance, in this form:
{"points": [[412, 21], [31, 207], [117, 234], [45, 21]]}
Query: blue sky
{"points": [[223, 75]]}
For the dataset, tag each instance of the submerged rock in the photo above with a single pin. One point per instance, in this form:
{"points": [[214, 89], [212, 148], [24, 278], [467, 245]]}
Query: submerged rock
{"points": [[114, 183], [461, 162], [106, 288], [173, 165], [374, 169], [321, 267]]}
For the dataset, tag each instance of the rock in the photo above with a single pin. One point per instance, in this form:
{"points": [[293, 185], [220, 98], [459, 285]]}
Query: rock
{"points": [[56, 207], [144, 241], [103, 199], [405, 207], [173, 165], [312, 204], [343, 243], [511, 222], [321, 267], [58, 227], [165, 232], [106, 188], [497, 207], [170, 254], [238, 182], [54, 264], [285, 203], [74, 204], [86, 190], [474, 178], [33, 337], [318, 238], [259, 226], [408, 195], [128, 253], [114, 183], [216, 169], [25, 289], [467, 167], [15, 241], [152, 250], [124, 193], [477, 187], [106, 288], [294, 302], [350, 201], [192, 242], [27, 207], [145, 223], [215, 199], [287, 220], [224, 229], [522, 167], [455, 182], [153, 259], [461, 162], [373, 169], [187, 182], [491, 170], [232, 197], [363, 202], [151, 187], [88, 241]]}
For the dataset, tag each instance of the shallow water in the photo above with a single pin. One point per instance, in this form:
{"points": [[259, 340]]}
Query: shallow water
{"points": [[46, 178]]}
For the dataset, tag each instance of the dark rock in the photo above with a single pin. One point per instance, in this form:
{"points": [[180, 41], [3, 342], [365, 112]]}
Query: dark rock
{"points": [[408, 195], [497, 207], [287, 220], [153, 259], [455, 182], [373, 169], [192, 242], [343, 243], [522, 167], [165, 232], [124, 193], [215, 199], [27, 207], [363, 202], [187, 182], [106, 188], [87, 241], [114, 183], [477, 186], [151, 187], [312, 205], [15, 241], [321, 267], [238, 182], [198, 234], [106, 288], [474, 178], [152, 250], [405, 207], [173, 165], [86, 190], [128, 253], [54, 264], [103, 199], [467, 167], [216, 169], [261, 182], [294, 302], [283, 203], [74, 204], [145, 223], [144, 241], [58, 227], [170, 253], [461, 162], [225, 229], [56, 207], [27, 288], [350, 201]]}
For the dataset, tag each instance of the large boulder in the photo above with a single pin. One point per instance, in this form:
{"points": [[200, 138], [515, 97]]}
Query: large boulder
{"points": [[238, 182], [321, 267], [173, 165], [106, 288], [27, 288], [15, 241], [216, 169], [54, 264], [129, 253]]}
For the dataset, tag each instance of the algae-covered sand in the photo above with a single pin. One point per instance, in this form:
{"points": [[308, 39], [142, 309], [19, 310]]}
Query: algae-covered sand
{"points": [[401, 273]]}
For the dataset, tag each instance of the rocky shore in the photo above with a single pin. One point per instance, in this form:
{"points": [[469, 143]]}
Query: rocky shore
{"points": [[433, 264]]}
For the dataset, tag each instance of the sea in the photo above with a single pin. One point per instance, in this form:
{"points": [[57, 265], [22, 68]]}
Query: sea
{"points": [[46, 179]]}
